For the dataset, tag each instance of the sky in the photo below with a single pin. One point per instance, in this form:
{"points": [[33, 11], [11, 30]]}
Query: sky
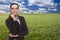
{"points": [[36, 6]]}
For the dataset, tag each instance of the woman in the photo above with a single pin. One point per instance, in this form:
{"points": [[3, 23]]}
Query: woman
{"points": [[16, 24]]}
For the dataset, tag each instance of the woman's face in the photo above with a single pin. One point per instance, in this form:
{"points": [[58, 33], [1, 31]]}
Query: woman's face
{"points": [[14, 9]]}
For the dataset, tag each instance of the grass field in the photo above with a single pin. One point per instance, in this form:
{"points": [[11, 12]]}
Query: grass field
{"points": [[40, 26]]}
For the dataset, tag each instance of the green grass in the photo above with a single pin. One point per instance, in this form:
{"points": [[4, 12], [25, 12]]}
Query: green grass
{"points": [[40, 26]]}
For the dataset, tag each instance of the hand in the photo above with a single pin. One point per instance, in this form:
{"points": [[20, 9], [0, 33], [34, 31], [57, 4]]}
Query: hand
{"points": [[13, 17], [11, 35]]}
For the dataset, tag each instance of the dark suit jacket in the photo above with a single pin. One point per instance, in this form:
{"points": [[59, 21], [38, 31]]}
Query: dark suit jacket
{"points": [[16, 28]]}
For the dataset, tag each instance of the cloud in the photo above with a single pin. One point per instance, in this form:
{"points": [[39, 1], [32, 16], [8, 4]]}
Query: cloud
{"points": [[1, 11], [49, 4], [40, 2], [42, 10], [4, 6], [22, 8]]}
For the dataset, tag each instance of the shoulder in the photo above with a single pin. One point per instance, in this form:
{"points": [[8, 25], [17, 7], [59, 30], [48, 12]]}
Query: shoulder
{"points": [[7, 20], [21, 17]]}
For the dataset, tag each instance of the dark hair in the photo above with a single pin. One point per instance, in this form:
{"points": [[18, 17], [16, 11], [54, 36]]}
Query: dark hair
{"points": [[14, 4]]}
